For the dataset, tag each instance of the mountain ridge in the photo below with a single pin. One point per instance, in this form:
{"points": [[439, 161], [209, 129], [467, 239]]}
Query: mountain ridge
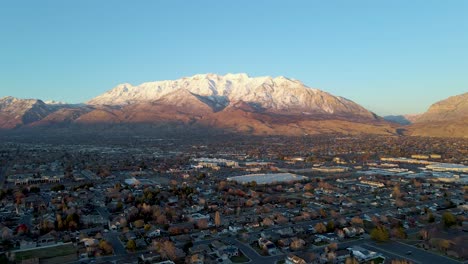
{"points": [[233, 102], [445, 118], [270, 93]]}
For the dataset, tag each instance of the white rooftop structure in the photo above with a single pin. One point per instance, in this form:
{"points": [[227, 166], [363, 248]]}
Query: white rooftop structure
{"points": [[448, 167], [267, 178]]}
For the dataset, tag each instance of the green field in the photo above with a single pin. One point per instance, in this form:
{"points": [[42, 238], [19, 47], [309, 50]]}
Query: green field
{"points": [[240, 259], [49, 252]]}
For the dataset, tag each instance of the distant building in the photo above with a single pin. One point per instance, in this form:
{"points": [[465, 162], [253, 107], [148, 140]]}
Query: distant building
{"points": [[373, 183], [406, 160], [419, 156], [447, 167], [29, 179], [333, 169], [267, 178], [362, 254], [216, 163]]}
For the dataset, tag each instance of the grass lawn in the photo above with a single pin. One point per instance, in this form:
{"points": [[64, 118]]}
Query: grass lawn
{"points": [[377, 260], [49, 252], [323, 243], [240, 259]]}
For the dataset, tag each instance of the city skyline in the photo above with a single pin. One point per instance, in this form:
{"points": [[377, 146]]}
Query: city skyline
{"points": [[392, 58]]}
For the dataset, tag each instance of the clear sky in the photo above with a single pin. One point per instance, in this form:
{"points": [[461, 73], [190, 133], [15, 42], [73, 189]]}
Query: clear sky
{"points": [[393, 57]]}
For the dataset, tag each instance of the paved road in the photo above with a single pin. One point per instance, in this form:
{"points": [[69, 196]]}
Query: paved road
{"points": [[113, 238], [417, 255], [3, 171], [103, 212]]}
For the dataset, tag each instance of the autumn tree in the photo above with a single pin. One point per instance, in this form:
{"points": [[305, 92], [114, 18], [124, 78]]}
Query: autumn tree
{"points": [[357, 221], [105, 247], [379, 233], [398, 232], [332, 247], [448, 219], [424, 234], [396, 192], [166, 249], [323, 213], [320, 228], [297, 244], [131, 245], [444, 244], [267, 222], [217, 219], [430, 217], [202, 223], [351, 260]]}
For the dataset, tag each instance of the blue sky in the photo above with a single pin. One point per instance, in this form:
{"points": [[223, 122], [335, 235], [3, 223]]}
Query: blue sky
{"points": [[393, 57]]}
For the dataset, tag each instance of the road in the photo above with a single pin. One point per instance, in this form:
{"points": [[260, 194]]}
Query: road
{"points": [[399, 250], [3, 172], [113, 239], [103, 212]]}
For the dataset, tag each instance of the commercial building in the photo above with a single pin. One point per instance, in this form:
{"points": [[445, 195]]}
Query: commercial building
{"points": [[267, 178]]}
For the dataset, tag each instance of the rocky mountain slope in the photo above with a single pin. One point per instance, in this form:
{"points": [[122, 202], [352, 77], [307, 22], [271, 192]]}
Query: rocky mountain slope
{"points": [[402, 119], [452, 108], [446, 118], [233, 102], [17, 112]]}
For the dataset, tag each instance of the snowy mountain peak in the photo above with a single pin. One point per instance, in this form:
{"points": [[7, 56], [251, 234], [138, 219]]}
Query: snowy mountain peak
{"points": [[274, 94]]}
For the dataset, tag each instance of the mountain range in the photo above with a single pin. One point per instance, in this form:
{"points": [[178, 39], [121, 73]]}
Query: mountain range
{"points": [[232, 102]]}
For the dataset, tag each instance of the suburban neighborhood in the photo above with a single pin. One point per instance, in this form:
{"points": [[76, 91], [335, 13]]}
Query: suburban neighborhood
{"points": [[310, 200]]}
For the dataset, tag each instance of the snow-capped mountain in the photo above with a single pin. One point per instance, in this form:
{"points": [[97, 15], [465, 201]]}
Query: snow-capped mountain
{"points": [[278, 94], [231, 102]]}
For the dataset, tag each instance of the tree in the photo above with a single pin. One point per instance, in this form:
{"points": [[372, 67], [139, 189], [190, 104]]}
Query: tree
{"points": [[34, 189], [396, 192], [6, 234], [281, 219], [330, 226], [131, 245], [297, 244], [430, 217], [161, 219], [351, 260], [379, 233], [448, 219], [333, 247], [267, 222], [58, 187], [357, 221], [217, 219], [424, 234], [320, 228], [139, 223], [399, 232], [444, 244], [166, 249], [323, 213], [202, 224], [106, 247]]}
